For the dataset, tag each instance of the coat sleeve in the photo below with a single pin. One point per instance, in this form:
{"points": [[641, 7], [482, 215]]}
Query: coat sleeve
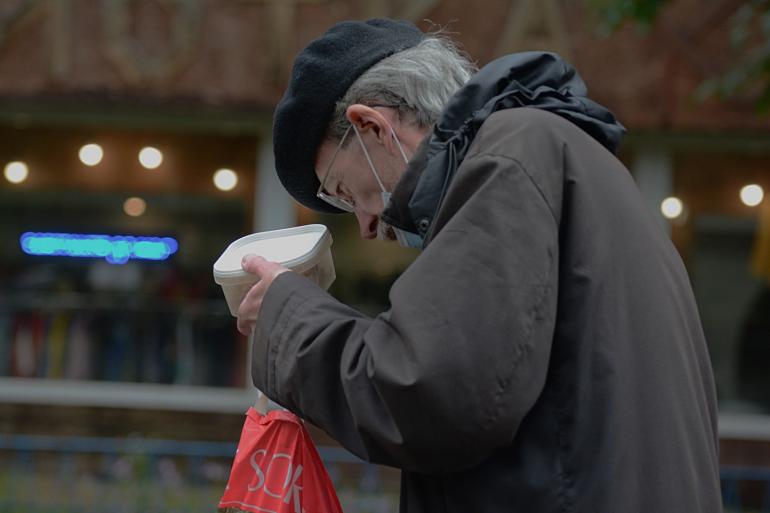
{"points": [[443, 378]]}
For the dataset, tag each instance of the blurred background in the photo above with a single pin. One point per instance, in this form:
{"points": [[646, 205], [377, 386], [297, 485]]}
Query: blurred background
{"points": [[123, 380]]}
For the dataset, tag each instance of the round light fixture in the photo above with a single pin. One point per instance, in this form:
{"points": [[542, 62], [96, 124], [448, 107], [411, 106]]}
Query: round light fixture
{"points": [[134, 206], [225, 179], [752, 195], [16, 172], [91, 154], [671, 207], [150, 157]]}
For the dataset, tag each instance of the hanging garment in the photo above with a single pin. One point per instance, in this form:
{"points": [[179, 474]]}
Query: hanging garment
{"points": [[56, 345], [79, 357]]}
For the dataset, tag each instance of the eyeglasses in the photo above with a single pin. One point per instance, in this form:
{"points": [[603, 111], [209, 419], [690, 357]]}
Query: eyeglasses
{"points": [[336, 201]]}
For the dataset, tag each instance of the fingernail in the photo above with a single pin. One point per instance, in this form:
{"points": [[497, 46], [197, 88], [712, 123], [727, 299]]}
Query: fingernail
{"points": [[246, 258]]}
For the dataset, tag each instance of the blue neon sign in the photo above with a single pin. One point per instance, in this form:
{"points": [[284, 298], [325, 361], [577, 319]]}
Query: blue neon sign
{"points": [[116, 249]]}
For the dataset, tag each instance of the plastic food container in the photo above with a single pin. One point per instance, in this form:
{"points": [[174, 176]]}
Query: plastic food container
{"points": [[303, 249]]}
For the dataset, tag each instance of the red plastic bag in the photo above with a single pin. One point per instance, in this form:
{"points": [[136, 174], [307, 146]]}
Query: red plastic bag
{"points": [[277, 469]]}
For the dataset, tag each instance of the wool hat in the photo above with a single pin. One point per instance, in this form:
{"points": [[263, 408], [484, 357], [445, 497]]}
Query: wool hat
{"points": [[321, 75]]}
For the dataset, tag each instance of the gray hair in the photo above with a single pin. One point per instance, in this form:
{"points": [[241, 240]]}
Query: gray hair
{"points": [[418, 82]]}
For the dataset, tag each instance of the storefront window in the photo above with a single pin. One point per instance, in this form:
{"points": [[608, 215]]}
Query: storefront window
{"points": [[106, 255], [724, 235]]}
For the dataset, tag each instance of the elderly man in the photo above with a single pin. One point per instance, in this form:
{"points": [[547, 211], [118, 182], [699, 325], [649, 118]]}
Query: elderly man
{"points": [[544, 352]]}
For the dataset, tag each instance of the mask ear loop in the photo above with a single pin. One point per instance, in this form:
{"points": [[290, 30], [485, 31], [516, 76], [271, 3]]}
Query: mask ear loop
{"points": [[398, 143], [369, 159]]}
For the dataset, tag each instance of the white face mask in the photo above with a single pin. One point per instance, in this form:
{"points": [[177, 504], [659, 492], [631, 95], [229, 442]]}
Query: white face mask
{"points": [[405, 238]]}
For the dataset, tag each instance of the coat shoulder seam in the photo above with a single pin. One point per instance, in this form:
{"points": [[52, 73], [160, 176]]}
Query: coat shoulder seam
{"points": [[524, 169]]}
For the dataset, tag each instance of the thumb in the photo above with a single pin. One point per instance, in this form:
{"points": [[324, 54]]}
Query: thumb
{"points": [[257, 265]]}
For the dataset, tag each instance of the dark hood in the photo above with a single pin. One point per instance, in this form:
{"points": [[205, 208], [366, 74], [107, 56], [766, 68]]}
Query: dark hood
{"points": [[529, 79]]}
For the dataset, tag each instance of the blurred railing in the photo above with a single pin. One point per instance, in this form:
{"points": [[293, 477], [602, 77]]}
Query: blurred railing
{"points": [[746, 489], [42, 474]]}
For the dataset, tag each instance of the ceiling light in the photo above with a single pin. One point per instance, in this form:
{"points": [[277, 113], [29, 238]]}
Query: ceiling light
{"points": [[16, 172], [91, 154], [134, 206], [225, 179], [671, 207], [150, 157], [752, 195]]}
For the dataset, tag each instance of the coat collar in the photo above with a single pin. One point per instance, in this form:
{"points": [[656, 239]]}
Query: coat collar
{"points": [[529, 79]]}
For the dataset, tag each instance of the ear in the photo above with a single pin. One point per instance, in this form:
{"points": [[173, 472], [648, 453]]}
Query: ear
{"points": [[370, 120]]}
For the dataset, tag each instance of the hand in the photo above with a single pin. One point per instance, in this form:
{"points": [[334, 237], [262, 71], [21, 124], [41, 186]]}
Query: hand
{"points": [[252, 302]]}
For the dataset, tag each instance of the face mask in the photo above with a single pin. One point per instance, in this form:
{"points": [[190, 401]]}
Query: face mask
{"points": [[405, 238]]}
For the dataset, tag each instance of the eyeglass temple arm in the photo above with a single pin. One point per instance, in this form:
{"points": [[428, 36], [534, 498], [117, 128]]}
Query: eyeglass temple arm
{"points": [[368, 158]]}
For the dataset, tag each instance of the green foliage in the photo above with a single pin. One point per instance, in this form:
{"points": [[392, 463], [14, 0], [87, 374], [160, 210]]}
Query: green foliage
{"points": [[749, 25], [613, 13], [749, 75]]}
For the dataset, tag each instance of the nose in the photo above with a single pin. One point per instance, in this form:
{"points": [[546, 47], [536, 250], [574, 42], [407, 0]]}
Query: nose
{"points": [[367, 224]]}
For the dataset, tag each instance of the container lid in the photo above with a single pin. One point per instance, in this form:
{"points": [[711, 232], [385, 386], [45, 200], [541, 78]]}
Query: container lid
{"points": [[290, 247]]}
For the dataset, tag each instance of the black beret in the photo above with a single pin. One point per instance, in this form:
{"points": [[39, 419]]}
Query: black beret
{"points": [[322, 74]]}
